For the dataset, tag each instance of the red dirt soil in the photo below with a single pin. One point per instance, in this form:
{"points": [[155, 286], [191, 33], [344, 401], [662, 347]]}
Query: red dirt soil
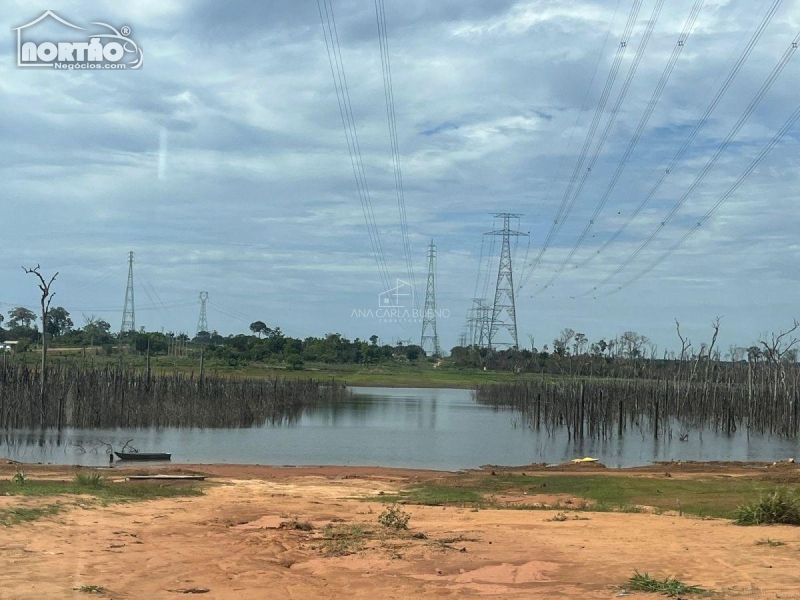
{"points": [[228, 544]]}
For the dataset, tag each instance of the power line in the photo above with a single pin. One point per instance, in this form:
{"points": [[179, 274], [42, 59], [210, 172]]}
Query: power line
{"points": [[665, 75], [388, 90], [487, 273], [480, 266], [331, 35], [753, 165], [577, 119], [765, 21], [771, 78], [610, 79]]}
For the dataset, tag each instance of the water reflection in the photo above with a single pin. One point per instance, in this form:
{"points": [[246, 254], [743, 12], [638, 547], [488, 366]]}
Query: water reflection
{"points": [[419, 428]]}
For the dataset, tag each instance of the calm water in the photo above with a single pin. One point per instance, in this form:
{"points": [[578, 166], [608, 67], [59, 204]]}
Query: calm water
{"points": [[423, 428]]}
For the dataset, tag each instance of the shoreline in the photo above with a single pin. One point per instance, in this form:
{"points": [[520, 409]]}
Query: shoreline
{"points": [[695, 467]]}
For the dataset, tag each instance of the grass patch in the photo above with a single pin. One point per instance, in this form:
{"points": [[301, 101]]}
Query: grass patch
{"points": [[778, 507], [95, 485], [90, 589], [717, 497], [340, 539], [669, 587], [769, 542], [90, 480], [437, 495], [14, 516]]}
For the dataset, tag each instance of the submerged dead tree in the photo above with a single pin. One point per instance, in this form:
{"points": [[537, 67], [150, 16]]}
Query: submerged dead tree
{"points": [[47, 297], [693, 392], [121, 397]]}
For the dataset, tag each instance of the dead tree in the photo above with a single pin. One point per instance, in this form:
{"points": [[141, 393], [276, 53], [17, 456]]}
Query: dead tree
{"points": [[709, 358], [774, 351], [47, 297], [685, 345]]}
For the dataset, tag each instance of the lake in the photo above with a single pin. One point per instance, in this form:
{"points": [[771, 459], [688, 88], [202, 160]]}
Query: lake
{"points": [[415, 428]]}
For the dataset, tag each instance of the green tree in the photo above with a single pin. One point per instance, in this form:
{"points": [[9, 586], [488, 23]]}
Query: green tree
{"points": [[258, 327], [202, 337], [295, 362], [21, 317], [414, 352], [97, 330], [58, 322]]}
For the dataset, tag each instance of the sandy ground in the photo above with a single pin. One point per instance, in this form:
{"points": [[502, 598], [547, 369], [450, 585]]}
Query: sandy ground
{"points": [[229, 544]]}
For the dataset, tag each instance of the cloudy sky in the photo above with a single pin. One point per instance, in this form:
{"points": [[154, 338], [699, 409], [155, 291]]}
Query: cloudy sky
{"points": [[223, 164]]}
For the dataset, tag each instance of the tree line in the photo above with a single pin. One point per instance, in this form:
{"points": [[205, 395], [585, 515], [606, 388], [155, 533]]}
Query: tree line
{"points": [[264, 343]]}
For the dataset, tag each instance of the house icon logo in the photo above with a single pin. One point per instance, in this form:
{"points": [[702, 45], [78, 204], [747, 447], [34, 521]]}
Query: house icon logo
{"points": [[73, 48], [400, 296]]}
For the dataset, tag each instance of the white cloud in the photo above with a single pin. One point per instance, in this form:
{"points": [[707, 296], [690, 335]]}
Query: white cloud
{"points": [[223, 164]]}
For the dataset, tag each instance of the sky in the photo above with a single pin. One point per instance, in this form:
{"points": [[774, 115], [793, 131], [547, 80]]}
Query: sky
{"points": [[222, 163]]}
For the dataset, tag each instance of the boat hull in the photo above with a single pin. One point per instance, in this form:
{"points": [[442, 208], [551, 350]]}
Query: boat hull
{"points": [[143, 455]]}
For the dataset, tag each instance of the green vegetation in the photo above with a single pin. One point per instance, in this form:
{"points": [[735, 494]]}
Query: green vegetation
{"points": [[707, 497], [777, 507], [102, 490], [91, 589], [400, 373], [89, 484], [394, 517], [669, 587], [89, 480], [15, 516], [342, 539]]}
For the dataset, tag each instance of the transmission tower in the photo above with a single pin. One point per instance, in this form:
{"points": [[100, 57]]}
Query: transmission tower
{"points": [[480, 322], [202, 322], [129, 312], [429, 316], [504, 311], [475, 321], [462, 340]]}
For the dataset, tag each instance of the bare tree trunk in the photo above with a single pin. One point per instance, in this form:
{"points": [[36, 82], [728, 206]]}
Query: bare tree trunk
{"points": [[47, 297]]}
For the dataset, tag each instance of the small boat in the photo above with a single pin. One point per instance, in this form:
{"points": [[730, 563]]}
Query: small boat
{"points": [[144, 455]]}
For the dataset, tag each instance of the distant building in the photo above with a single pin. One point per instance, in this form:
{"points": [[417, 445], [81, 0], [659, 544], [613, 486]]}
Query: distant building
{"points": [[8, 347]]}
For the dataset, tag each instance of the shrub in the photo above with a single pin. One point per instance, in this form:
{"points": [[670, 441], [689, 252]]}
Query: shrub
{"points": [[19, 478], [394, 517], [90, 480], [778, 507]]}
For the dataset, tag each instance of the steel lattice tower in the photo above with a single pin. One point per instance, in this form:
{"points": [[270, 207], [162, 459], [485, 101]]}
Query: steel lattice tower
{"points": [[504, 311], [481, 321], [129, 312], [475, 321], [429, 316], [202, 322]]}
